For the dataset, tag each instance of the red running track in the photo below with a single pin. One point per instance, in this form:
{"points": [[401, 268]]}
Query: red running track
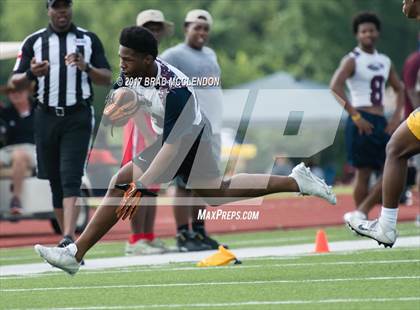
{"points": [[273, 214]]}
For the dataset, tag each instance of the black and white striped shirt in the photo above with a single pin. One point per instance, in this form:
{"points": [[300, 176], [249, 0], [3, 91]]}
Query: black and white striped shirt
{"points": [[63, 85]]}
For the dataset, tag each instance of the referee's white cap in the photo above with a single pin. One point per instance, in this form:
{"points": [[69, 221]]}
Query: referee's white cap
{"points": [[200, 16]]}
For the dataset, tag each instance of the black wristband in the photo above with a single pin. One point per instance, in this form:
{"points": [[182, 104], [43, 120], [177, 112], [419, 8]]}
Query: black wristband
{"points": [[30, 75], [139, 186], [88, 68], [144, 190]]}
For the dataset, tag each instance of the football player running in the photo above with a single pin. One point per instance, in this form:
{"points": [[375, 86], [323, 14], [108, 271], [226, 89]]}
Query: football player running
{"points": [[185, 138]]}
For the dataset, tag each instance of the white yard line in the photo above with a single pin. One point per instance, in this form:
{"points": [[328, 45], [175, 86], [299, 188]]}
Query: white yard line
{"points": [[29, 256], [289, 250], [240, 304], [224, 268], [189, 284], [270, 240]]}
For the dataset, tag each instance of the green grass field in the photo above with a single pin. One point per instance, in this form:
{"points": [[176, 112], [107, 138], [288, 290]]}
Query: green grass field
{"points": [[389, 279]]}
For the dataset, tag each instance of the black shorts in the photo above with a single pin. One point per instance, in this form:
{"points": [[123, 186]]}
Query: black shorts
{"points": [[62, 145], [367, 151], [199, 162]]}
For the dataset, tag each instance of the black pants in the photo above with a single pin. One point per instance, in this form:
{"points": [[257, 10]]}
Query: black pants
{"points": [[61, 145]]}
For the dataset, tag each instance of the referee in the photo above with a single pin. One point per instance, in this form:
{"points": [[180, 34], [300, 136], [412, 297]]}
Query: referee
{"points": [[63, 60]]}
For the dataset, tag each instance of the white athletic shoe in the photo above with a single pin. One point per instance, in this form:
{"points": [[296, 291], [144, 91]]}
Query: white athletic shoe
{"points": [[166, 248], [310, 184], [143, 247], [374, 230], [158, 243], [63, 258], [354, 214]]}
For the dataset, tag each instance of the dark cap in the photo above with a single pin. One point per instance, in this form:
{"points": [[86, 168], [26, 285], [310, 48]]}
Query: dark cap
{"points": [[51, 3]]}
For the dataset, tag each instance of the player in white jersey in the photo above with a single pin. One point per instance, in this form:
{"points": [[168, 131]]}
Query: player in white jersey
{"points": [[178, 121], [366, 72], [404, 143], [138, 134]]}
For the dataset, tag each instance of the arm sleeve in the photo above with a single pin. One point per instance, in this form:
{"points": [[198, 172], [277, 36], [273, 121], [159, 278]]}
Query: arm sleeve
{"points": [[23, 61], [98, 59], [179, 115]]}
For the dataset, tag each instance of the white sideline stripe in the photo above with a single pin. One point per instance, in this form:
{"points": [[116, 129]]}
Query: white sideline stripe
{"points": [[229, 267], [24, 257], [239, 242], [236, 304], [94, 287], [289, 250]]}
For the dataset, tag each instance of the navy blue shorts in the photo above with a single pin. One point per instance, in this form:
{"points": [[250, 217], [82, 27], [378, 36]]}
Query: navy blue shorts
{"points": [[367, 151]]}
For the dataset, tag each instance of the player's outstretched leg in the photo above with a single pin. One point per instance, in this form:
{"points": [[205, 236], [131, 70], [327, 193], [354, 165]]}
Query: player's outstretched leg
{"points": [[403, 144], [301, 180], [69, 257]]}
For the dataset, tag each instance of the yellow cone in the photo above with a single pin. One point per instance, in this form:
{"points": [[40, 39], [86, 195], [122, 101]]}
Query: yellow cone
{"points": [[221, 258]]}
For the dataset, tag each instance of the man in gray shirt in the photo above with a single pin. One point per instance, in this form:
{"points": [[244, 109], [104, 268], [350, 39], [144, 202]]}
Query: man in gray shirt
{"points": [[199, 63]]}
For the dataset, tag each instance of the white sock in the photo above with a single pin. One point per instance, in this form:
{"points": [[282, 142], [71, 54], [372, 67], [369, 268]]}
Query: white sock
{"points": [[388, 217]]}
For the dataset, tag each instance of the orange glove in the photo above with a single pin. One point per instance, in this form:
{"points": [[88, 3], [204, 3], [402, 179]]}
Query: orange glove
{"points": [[131, 199]]}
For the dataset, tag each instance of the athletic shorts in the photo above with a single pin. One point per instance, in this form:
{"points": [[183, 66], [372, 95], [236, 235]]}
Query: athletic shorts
{"points": [[216, 150], [196, 160], [7, 151], [367, 151], [217, 146], [413, 123]]}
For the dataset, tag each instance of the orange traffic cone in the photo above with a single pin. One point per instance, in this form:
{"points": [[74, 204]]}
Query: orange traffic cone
{"points": [[321, 242]]}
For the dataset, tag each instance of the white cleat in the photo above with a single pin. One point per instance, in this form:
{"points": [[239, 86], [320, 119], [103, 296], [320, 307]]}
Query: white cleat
{"points": [[62, 258], [354, 214], [374, 230], [310, 184]]}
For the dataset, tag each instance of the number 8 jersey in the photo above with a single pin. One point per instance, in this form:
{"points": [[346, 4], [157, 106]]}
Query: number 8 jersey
{"points": [[367, 84]]}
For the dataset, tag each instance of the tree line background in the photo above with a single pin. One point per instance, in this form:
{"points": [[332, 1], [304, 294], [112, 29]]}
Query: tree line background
{"points": [[252, 39]]}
